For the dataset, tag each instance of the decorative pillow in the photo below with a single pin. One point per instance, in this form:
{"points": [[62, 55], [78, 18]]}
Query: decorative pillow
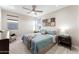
{"points": [[51, 32], [43, 31]]}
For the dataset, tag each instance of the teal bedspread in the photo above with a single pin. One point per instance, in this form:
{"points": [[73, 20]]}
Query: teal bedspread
{"points": [[41, 43]]}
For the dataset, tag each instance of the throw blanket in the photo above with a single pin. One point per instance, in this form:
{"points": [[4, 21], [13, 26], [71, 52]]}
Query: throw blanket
{"points": [[41, 43], [27, 39], [38, 43]]}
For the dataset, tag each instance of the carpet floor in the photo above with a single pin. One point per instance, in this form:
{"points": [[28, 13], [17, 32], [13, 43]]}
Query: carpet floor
{"points": [[18, 47]]}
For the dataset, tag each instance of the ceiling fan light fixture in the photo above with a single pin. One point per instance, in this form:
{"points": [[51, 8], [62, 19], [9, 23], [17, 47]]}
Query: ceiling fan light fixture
{"points": [[33, 10]]}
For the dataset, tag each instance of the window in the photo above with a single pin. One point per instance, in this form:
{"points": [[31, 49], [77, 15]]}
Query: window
{"points": [[12, 24]]}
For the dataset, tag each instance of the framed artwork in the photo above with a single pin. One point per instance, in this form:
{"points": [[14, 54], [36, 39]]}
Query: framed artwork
{"points": [[45, 22], [53, 22], [49, 22]]}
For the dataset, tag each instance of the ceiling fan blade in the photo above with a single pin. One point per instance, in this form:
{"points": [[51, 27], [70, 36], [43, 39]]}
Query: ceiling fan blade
{"points": [[38, 11], [27, 8]]}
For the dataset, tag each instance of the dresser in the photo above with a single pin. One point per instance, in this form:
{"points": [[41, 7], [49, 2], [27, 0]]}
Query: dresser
{"points": [[4, 46], [4, 43]]}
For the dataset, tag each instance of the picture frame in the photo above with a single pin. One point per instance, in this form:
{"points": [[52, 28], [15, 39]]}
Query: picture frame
{"points": [[53, 21], [49, 22]]}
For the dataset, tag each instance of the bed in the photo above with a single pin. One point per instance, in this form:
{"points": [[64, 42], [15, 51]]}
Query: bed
{"points": [[39, 43], [42, 43]]}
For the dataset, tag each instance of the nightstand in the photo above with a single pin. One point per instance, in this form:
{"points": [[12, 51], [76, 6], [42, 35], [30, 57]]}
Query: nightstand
{"points": [[65, 41]]}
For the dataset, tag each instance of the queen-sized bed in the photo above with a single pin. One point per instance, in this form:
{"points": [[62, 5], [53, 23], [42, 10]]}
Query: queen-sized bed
{"points": [[39, 43]]}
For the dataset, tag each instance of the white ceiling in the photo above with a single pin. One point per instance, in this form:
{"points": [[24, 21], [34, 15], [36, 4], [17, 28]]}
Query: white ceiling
{"points": [[45, 8]]}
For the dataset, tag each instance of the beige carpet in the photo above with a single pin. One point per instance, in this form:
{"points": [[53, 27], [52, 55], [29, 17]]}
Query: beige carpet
{"points": [[17, 47]]}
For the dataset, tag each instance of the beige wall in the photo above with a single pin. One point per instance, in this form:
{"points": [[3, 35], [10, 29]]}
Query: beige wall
{"points": [[0, 23], [78, 22], [67, 17], [25, 22], [0, 19]]}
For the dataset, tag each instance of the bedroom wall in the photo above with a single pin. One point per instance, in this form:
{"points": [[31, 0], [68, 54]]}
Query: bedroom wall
{"points": [[26, 23], [0, 19], [0, 23], [78, 22], [67, 17]]}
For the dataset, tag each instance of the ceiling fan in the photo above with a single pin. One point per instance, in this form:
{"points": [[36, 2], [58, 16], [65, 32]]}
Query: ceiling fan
{"points": [[33, 10]]}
